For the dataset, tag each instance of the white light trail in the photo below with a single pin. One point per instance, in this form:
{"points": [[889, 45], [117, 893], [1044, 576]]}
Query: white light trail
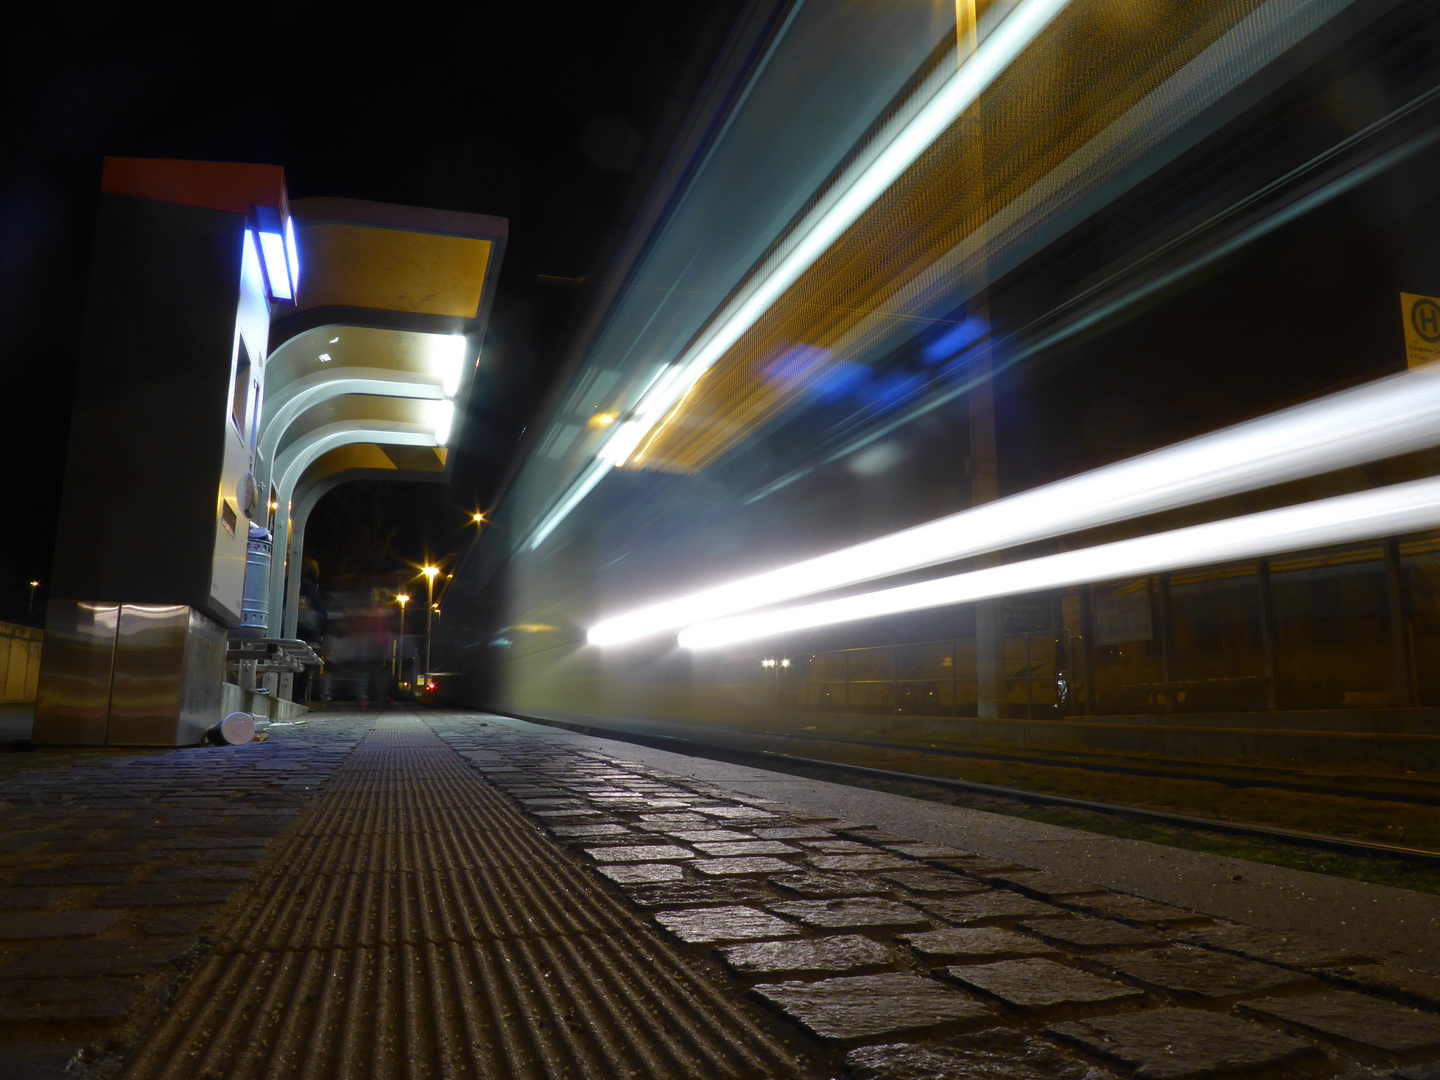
{"points": [[443, 414], [1392, 416], [1381, 512], [583, 485], [999, 49], [450, 359]]}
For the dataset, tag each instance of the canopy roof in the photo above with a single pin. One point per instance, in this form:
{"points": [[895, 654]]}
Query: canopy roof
{"points": [[369, 371]]}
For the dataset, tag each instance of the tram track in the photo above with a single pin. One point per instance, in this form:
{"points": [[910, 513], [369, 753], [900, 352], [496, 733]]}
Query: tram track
{"points": [[822, 767], [1239, 782]]}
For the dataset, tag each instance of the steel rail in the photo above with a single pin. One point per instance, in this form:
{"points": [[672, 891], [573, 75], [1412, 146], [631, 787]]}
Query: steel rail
{"points": [[1273, 833], [1153, 772]]}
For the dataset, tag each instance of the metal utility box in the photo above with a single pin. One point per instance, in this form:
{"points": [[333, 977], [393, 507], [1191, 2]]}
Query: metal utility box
{"points": [[72, 706], [129, 675]]}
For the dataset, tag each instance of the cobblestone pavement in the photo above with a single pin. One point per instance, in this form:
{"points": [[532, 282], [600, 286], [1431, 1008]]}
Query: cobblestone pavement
{"points": [[117, 868], [916, 960], [122, 875]]}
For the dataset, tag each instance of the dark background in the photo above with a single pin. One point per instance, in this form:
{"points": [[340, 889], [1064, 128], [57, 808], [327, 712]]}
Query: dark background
{"points": [[552, 115]]}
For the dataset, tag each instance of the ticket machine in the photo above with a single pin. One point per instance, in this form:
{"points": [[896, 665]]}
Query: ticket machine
{"points": [[191, 260]]}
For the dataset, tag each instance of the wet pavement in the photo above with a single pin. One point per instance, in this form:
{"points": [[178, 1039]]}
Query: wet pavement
{"points": [[465, 895]]}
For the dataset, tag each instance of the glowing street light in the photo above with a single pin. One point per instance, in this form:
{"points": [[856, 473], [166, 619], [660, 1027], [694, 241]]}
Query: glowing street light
{"points": [[402, 599], [33, 586], [429, 572]]}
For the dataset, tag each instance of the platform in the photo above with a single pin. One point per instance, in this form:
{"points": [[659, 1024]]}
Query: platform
{"points": [[455, 895]]}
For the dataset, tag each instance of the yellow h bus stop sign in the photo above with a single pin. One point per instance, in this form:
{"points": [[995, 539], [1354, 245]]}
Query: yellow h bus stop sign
{"points": [[1422, 328]]}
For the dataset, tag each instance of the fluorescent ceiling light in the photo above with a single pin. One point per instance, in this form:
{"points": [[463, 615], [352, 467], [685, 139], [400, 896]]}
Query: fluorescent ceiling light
{"points": [[292, 253], [277, 270], [444, 417], [250, 260], [1382, 512], [450, 358], [814, 237], [1391, 416]]}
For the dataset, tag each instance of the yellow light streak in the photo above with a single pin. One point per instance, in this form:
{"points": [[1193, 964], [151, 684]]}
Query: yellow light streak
{"points": [[660, 427]]}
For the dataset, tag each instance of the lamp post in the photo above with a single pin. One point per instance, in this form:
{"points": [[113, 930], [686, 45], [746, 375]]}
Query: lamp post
{"points": [[429, 572], [33, 586], [402, 599], [775, 665]]}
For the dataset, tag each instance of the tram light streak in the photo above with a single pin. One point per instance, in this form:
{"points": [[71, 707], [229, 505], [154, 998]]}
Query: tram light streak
{"points": [[1382, 512]]}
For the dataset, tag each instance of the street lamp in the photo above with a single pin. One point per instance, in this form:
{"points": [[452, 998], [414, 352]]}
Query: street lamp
{"points": [[33, 586], [402, 599], [429, 572]]}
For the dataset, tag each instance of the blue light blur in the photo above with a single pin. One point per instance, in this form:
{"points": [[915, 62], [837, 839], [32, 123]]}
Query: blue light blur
{"points": [[955, 340], [894, 389], [957, 367], [797, 363], [840, 379]]}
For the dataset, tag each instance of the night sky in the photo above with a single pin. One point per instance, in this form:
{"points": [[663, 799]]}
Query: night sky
{"points": [[551, 115]]}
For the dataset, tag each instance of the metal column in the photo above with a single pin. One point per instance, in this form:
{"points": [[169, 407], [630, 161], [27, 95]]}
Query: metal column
{"points": [[1087, 645], [1268, 643], [1167, 640], [1399, 637]]}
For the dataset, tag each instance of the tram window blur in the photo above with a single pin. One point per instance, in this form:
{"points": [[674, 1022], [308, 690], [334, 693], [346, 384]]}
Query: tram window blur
{"points": [[1121, 267]]}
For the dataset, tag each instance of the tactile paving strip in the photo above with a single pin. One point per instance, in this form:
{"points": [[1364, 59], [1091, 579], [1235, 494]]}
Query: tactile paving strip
{"points": [[417, 925]]}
